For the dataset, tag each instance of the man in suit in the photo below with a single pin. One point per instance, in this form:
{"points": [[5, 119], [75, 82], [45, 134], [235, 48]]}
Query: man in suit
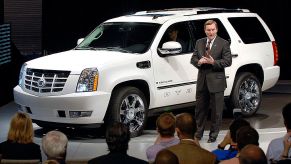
{"points": [[188, 150], [211, 55]]}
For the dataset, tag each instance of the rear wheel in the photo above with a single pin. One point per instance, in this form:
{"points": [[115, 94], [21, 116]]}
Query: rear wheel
{"points": [[246, 93], [128, 105]]}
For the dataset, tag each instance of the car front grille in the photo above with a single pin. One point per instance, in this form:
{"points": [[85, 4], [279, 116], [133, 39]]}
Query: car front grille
{"points": [[45, 81]]}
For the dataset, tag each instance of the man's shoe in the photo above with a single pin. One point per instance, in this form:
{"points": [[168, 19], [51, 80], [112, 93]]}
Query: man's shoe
{"points": [[211, 139]]}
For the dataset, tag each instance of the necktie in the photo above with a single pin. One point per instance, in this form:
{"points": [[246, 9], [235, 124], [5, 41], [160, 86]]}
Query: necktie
{"points": [[207, 49]]}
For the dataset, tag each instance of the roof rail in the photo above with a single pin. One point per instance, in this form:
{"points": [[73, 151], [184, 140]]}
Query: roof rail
{"points": [[222, 11], [170, 9]]}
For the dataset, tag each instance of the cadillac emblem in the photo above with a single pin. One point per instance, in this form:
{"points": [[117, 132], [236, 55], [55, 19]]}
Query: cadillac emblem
{"points": [[41, 82]]}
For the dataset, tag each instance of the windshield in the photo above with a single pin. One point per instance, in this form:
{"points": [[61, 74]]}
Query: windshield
{"points": [[128, 37]]}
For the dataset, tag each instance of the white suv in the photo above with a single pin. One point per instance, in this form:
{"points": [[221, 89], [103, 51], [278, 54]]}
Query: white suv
{"points": [[127, 67]]}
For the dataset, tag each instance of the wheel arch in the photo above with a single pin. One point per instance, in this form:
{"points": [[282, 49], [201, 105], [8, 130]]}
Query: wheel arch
{"points": [[142, 85], [256, 69]]}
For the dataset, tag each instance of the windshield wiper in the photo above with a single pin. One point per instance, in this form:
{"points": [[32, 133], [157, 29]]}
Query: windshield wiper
{"points": [[104, 48], [116, 49], [112, 49], [85, 48]]}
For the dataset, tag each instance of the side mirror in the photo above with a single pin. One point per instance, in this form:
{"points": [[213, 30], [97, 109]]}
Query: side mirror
{"points": [[170, 47], [80, 40]]}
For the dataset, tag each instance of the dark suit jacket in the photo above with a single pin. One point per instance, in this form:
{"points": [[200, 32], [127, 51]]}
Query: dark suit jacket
{"points": [[12, 150], [188, 152], [113, 158], [213, 74]]}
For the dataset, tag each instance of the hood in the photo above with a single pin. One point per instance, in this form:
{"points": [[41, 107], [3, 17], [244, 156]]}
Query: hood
{"points": [[77, 60]]}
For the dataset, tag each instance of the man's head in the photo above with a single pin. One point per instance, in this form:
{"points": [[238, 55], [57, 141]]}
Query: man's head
{"points": [[54, 145], [165, 156], [235, 125], [247, 135], [252, 154], [210, 29], [286, 112], [117, 137], [166, 124], [185, 126]]}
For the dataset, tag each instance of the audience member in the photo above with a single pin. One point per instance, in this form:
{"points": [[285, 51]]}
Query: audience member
{"points": [[19, 143], [117, 139], [279, 148], [166, 157], [230, 139], [252, 154], [54, 145], [245, 135], [165, 124], [188, 151], [51, 162]]}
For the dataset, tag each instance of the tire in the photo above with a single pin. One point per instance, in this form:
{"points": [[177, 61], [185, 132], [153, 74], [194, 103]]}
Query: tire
{"points": [[246, 94], [128, 105]]}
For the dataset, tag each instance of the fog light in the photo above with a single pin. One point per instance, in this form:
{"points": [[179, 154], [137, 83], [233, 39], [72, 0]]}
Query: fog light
{"points": [[76, 114]]}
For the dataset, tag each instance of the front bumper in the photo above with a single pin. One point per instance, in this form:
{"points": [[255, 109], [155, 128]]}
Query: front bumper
{"points": [[55, 109]]}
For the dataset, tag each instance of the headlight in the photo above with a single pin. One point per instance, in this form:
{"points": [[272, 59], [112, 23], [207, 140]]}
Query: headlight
{"points": [[21, 75], [88, 80]]}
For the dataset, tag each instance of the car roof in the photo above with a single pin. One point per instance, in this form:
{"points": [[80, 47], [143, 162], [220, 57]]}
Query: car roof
{"points": [[161, 16]]}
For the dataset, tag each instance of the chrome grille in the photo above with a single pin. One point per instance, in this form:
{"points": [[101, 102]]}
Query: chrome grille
{"points": [[45, 81]]}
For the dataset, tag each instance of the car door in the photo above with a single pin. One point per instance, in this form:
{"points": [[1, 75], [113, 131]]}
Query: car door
{"points": [[175, 78]]}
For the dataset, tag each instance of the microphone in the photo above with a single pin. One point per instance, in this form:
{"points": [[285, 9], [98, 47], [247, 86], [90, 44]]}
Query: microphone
{"points": [[237, 113]]}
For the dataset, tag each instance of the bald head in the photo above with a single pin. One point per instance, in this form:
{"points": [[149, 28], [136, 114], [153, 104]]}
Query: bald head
{"points": [[186, 125], [166, 157], [252, 154]]}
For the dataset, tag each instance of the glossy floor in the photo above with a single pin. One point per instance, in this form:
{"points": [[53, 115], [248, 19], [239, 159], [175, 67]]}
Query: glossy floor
{"points": [[86, 144]]}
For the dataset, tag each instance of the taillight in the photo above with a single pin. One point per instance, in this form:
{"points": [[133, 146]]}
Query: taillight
{"points": [[276, 53]]}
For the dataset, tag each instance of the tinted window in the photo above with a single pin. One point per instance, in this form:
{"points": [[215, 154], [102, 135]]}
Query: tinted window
{"points": [[249, 29], [182, 35], [123, 36], [198, 29]]}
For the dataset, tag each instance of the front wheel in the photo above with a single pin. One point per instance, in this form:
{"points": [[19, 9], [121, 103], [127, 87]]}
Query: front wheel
{"points": [[246, 93], [129, 106]]}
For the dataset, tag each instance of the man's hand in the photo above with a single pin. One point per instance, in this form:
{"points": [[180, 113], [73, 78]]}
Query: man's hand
{"points": [[287, 145], [287, 141], [226, 140], [206, 60], [202, 61], [209, 60]]}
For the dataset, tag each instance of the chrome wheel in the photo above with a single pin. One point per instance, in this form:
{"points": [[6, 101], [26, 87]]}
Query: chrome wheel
{"points": [[129, 106], [132, 112], [249, 96], [246, 93]]}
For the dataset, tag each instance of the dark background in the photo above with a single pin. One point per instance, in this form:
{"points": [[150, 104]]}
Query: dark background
{"points": [[64, 23], [59, 24]]}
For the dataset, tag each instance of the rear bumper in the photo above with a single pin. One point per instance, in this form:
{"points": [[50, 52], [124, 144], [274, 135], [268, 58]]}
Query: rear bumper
{"points": [[271, 76]]}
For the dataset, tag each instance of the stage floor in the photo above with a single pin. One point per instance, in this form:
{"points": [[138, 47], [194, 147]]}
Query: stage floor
{"points": [[86, 144]]}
